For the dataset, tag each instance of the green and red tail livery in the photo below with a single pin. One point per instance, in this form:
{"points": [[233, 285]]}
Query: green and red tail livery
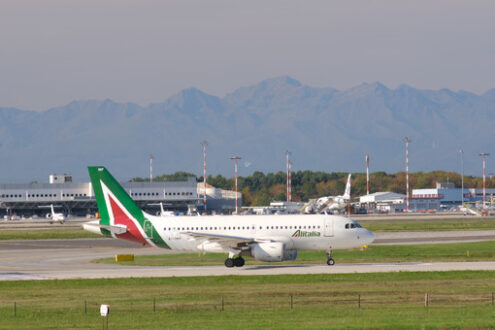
{"points": [[116, 207]]}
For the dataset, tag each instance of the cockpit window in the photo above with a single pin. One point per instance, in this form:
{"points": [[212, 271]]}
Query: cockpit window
{"points": [[351, 225]]}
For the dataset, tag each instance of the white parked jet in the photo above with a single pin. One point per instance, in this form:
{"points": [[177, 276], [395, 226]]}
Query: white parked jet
{"points": [[264, 237], [53, 216], [330, 203]]}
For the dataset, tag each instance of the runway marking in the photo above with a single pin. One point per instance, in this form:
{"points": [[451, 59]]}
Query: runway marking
{"points": [[20, 276]]}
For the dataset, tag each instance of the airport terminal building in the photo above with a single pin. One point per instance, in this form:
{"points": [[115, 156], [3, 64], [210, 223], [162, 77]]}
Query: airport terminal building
{"points": [[445, 195], [78, 198]]}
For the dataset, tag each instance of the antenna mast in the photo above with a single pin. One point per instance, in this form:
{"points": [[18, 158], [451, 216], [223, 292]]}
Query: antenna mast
{"points": [[204, 144]]}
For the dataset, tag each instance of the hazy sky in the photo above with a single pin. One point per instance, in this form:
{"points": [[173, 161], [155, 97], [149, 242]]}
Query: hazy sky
{"points": [[53, 52]]}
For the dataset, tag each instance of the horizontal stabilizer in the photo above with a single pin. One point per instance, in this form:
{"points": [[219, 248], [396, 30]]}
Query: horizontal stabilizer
{"points": [[96, 227]]}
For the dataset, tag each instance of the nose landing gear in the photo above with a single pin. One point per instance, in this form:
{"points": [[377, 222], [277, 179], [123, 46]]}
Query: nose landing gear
{"points": [[330, 261]]}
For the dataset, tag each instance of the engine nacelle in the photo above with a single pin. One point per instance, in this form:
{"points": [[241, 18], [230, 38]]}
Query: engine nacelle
{"points": [[272, 252]]}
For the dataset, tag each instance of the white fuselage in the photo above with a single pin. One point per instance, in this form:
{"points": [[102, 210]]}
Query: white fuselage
{"points": [[300, 232]]}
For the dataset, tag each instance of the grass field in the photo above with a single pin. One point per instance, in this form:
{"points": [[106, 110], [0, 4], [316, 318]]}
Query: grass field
{"points": [[35, 234], [387, 300], [440, 224], [375, 253]]}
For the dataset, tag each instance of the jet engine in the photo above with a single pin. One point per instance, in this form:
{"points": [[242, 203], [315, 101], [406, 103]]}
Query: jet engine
{"points": [[272, 251]]}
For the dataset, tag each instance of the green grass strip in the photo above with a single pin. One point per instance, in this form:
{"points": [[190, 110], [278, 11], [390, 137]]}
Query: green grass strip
{"points": [[460, 299], [441, 224], [476, 251], [38, 234]]}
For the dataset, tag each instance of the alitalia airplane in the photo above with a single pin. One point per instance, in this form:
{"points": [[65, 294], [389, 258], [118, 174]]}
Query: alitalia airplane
{"points": [[264, 237]]}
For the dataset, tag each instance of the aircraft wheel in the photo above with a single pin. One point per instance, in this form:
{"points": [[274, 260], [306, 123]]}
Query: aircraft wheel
{"points": [[229, 262], [239, 262], [330, 262]]}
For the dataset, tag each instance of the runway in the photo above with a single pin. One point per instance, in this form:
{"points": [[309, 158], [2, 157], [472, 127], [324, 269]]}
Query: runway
{"points": [[70, 259]]}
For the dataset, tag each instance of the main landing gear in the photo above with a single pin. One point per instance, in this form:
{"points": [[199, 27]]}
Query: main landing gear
{"points": [[234, 262], [330, 261]]}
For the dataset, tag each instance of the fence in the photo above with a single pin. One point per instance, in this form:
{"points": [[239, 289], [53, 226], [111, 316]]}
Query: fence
{"points": [[222, 303]]}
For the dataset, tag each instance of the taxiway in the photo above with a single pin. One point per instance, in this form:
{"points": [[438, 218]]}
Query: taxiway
{"points": [[70, 259]]}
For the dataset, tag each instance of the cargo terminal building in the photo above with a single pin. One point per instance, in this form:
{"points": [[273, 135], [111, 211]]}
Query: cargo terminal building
{"points": [[78, 198]]}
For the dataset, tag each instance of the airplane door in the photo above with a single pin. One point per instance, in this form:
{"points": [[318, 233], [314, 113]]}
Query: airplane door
{"points": [[148, 229], [328, 227]]}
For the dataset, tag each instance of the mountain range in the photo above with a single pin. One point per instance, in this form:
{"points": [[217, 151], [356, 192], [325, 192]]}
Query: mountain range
{"points": [[324, 128]]}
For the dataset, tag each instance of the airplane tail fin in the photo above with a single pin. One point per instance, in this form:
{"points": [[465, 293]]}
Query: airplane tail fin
{"points": [[120, 216], [347, 193]]}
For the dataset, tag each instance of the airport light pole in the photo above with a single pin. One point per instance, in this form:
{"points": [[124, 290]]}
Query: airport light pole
{"points": [[483, 155], [151, 168], [236, 158], [204, 144], [461, 151], [367, 174], [407, 140], [289, 180]]}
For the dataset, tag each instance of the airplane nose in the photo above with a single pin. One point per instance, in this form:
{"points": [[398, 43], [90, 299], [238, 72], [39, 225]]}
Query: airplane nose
{"points": [[370, 237]]}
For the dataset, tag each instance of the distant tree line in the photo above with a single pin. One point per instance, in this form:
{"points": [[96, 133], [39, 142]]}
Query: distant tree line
{"points": [[261, 189]]}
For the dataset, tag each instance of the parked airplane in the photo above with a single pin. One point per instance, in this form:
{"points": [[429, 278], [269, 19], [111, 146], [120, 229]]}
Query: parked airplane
{"points": [[162, 212], [330, 203], [264, 237], [60, 217]]}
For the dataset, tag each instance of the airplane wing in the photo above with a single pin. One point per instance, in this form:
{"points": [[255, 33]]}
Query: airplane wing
{"points": [[226, 241]]}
